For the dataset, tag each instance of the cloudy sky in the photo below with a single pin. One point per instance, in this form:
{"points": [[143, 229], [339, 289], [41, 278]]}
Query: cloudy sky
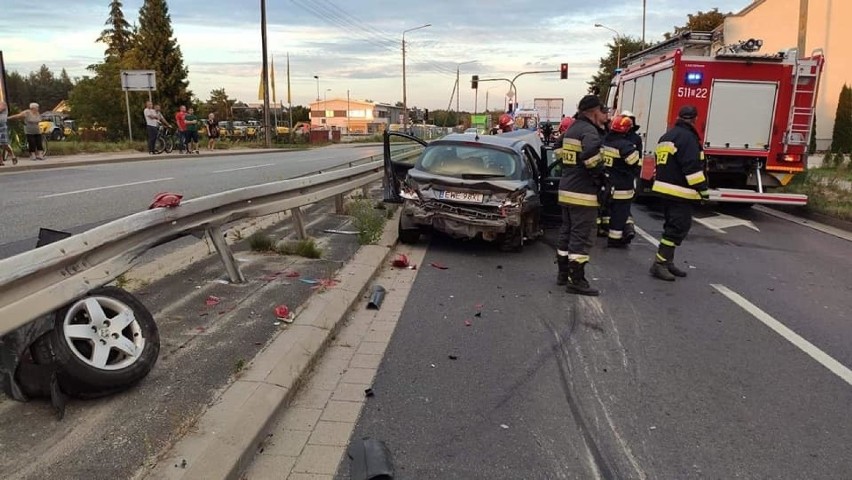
{"points": [[355, 44]]}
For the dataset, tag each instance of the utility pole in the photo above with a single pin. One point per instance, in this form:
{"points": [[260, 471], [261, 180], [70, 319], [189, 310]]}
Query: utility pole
{"points": [[267, 138], [404, 94], [803, 27], [644, 12], [458, 90]]}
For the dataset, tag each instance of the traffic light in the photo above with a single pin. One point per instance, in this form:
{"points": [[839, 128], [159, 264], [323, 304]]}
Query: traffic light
{"points": [[426, 114], [563, 71], [474, 82]]}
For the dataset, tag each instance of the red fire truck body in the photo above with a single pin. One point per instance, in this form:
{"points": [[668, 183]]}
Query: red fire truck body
{"points": [[755, 111]]}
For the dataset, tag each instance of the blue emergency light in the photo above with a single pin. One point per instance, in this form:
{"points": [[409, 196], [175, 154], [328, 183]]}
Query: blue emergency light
{"points": [[694, 78]]}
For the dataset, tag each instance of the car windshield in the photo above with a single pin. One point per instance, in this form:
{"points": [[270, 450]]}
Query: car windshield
{"points": [[468, 162]]}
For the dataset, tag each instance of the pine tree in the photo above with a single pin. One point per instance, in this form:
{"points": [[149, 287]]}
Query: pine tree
{"points": [[841, 138], [117, 36], [155, 48], [606, 70], [812, 147]]}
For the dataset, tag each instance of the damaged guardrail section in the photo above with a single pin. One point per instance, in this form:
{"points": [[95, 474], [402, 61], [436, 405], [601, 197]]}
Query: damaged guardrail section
{"points": [[60, 286]]}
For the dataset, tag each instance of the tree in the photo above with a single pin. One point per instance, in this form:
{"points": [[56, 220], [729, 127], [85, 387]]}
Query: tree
{"points": [[155, 48], [812, 146], [701, 22], [602, 79], [841, 137], [117, 36], [41, 86], [301, 114], [220, 104], [98, 101]]}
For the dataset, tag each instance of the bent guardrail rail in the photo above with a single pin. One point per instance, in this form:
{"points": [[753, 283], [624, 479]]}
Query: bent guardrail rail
{"points": [[37, 282]]}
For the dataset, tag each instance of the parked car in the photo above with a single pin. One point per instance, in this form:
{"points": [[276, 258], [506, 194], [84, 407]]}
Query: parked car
{"points": [[488, 187]]}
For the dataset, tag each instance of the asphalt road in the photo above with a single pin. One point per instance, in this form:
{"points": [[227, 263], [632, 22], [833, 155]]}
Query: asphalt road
{"points": [[650, 380], [77, 198]]}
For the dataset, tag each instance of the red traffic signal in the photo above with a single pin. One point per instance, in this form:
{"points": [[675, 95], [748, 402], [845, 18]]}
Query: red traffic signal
{"points": [[563, 71]]}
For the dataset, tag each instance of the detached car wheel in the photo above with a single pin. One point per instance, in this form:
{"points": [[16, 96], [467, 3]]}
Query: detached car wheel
{"points": [[103, 343]]}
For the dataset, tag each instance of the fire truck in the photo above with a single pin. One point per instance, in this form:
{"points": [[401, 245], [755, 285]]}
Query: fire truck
{"points": [[755, 117]]}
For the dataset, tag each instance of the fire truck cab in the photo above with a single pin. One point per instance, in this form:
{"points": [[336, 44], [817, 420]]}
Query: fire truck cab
{"points": [[755, 111]]}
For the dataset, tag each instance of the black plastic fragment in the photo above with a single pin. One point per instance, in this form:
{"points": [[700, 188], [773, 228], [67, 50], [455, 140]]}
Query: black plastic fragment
{"points": [[371, 460], [377, 297], [47, 236]]}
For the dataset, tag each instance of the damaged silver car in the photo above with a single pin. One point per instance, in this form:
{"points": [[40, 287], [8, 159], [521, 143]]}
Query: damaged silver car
{"points": [[483, 186]]}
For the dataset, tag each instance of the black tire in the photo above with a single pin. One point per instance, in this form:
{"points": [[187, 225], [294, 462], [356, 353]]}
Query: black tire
{"points": [[408, 236], [83, 380], [169, 144], [56, 135], [159, 145], [513, 240]]}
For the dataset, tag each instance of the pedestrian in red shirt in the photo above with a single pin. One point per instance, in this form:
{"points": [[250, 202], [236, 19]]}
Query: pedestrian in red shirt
{"points": [[180, 120]]}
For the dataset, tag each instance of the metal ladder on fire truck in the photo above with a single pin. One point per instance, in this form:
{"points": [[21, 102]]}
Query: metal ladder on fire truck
{"points": [[806, 80]]}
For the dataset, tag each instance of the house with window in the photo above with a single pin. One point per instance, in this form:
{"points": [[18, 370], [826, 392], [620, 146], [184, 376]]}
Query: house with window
{"points": [[352, 116], [776, 22]]}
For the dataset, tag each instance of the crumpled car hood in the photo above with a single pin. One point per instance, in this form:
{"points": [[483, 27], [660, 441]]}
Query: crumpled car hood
{"points": [[499, 189]]}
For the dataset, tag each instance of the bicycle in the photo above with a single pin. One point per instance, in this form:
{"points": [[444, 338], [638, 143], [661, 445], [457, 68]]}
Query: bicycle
{"points": [[165, 141]]}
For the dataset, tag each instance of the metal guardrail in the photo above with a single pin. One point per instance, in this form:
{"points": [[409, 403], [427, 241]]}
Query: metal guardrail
{"points": [[37, 282]]}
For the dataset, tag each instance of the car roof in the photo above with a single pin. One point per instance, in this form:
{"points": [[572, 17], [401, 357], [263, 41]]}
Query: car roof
{"points": [[512, 140]]}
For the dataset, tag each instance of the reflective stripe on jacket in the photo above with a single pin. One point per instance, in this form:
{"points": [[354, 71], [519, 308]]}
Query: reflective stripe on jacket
{"points": [[580, 152], [680, 164]]}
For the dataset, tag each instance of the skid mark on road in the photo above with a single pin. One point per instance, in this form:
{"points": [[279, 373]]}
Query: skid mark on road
{"points": [[53, 195], [823, 358]]}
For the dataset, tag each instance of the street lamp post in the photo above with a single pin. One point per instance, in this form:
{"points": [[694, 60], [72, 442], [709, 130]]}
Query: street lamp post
{"points": [[617, 42], [644, 11], [404, 94]]}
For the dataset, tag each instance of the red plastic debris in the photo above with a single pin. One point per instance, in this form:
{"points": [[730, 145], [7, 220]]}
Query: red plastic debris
{"points": [[211, 300], [479, 306], [326, 283], [282, 311], [292, 274], [467, 323], [402, 261], [166, 200], [439, 265]]}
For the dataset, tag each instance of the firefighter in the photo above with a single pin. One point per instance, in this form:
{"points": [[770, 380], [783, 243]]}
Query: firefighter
{"points": [[582, 169], [633, 136], [680, 181], [621, 161]]}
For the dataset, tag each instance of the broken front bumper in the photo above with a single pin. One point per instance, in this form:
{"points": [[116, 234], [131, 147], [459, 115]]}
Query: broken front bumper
{"points": [[459, 221]]}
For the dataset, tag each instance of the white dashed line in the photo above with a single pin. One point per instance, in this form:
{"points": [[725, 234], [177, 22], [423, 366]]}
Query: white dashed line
{"points": [[244, 168], [836, 367], [52, 195]]}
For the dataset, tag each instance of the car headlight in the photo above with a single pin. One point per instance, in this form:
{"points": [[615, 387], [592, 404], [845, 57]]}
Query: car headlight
{"points": [[408, 194]]}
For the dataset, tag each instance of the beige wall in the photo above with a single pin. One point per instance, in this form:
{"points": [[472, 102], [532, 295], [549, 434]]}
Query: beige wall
{"points": [[776, 22], [331, 113]]}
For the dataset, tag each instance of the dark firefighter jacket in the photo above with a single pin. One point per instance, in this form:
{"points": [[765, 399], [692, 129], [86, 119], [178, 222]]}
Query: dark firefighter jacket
{"points": [[680, 164], [634, 137], [621, 160], [582, 165]]}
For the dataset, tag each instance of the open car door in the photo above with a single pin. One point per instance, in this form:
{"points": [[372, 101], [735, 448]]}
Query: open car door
{"points": [[397, 167], [550, 171]]}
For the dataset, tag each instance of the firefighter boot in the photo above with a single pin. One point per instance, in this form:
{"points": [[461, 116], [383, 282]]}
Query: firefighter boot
{"points": [[629, 230], [577, 282], [670, 265], [660, 267], [562, 275]]}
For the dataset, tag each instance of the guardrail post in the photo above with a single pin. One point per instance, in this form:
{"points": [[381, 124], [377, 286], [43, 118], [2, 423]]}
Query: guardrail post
{"points": [[338, 204], [365, 191], [218, 238], [299, 223]]}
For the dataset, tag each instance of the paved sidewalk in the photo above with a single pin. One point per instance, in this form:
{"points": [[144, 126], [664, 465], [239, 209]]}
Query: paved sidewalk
{"points": [[311, 436], [81, 159]]}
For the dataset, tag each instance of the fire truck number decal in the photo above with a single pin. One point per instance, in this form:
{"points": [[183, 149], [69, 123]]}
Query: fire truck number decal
{"points": [[689, 92]]}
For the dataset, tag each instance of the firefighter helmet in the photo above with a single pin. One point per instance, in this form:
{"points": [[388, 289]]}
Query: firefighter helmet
{"points": [[565, 124], [621, 124], [505, 122]]}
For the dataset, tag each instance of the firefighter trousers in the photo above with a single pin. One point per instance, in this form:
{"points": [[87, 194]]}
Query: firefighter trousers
{"points": [[678, 221], [575, 234], [619, 213]]}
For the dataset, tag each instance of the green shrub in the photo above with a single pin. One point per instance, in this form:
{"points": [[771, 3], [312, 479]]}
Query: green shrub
{"points": [[307, 248], [368, 220], [261, 242]]}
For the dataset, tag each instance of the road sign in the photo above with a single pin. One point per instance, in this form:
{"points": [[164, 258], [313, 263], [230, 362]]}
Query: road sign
{"points": [[138, 80]]}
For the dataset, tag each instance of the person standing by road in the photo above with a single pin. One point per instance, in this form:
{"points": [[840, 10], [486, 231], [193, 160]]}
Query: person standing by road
{"points": [[35, 142], [679, 179], [4, 135], [180, 121], [212, 131], [191, 131], [621, 160], [582, 170], [162, 120], [633, 136], [152, 125]]}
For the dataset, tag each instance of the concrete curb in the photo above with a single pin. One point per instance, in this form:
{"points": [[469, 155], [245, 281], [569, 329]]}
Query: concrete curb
{"points": [[225, 439], [22, 166]]}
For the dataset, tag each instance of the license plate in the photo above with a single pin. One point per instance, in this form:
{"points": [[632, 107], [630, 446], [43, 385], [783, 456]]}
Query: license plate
{"points": [[461, 196]]}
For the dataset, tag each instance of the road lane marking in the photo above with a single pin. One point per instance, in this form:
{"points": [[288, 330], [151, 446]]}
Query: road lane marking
{"points": [[820, 227], [836, 367], [647, 236], [244, 168], [719, 222], [52, 195]]}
